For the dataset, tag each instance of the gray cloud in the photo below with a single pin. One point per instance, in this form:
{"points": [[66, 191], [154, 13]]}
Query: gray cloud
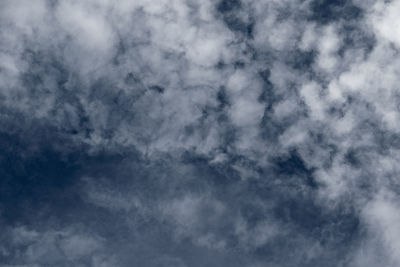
{"points": [[180, 133]]}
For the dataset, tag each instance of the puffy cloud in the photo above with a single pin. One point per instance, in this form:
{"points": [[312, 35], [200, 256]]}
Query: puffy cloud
{"points": [[184, 133]]}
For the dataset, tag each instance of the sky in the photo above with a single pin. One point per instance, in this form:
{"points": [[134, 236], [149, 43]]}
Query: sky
{"points": [[213, 133]]}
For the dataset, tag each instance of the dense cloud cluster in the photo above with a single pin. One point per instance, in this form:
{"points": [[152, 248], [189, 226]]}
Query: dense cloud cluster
{"points": [[180, 133]]}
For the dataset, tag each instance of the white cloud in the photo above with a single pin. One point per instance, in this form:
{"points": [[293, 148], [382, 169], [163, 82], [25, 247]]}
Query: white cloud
{"points": [[385, 20], [148, 74], [383, 224], [53, 246], [328, 45]]}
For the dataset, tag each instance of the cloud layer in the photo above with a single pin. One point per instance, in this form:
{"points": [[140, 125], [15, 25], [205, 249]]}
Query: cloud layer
{"points": [[211, 133]]}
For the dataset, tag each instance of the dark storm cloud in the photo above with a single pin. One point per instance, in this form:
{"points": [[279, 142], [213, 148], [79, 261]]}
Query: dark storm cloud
{"points": [[180, 133]]}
